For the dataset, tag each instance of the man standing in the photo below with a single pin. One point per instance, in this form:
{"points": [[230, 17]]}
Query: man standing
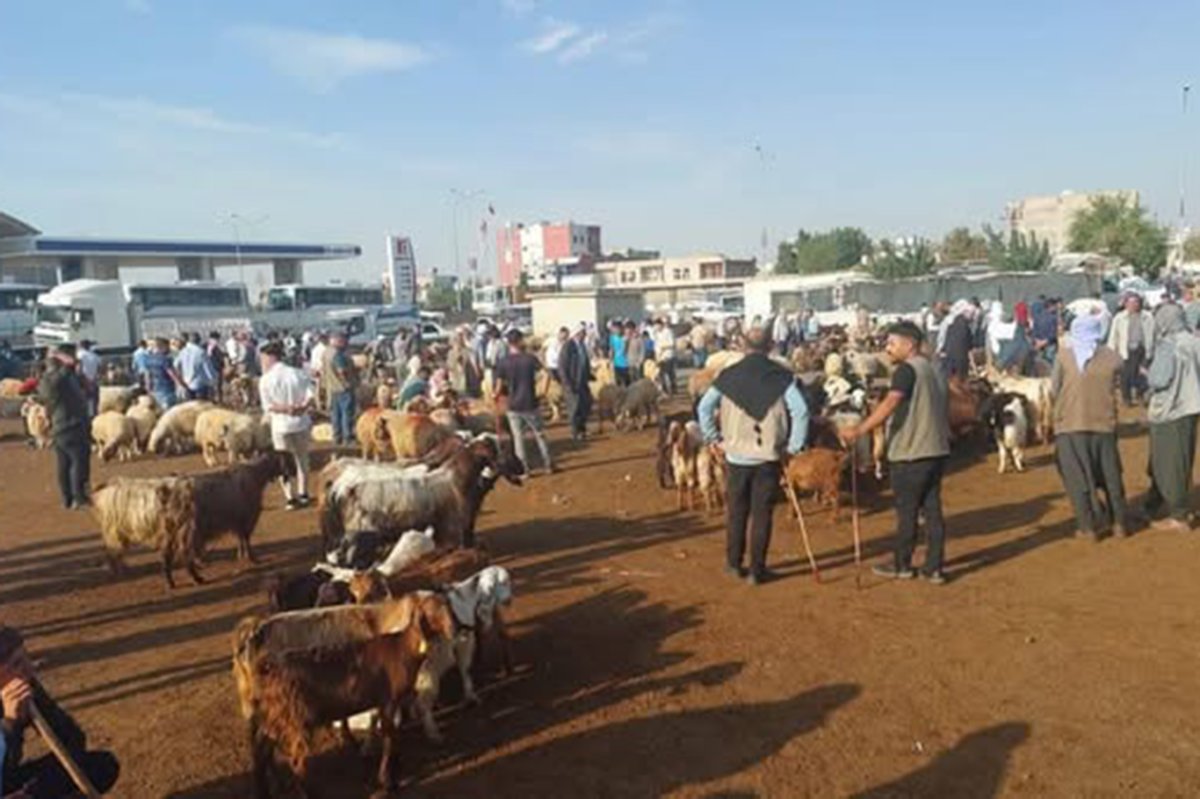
{"points": [[699, 338], [286, 395], [43, 777], [664, 353], [216, 357], [916, 411], [756, 401], [554, 352], [339, 377], [89, 373], [195, 370], [1132, 336], [62, 393], [160, 375], [515, 378], [1172, 412], [576, 369]]}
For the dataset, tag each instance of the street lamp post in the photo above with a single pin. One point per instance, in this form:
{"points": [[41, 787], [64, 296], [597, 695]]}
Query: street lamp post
{"points": [[457, 197], [236, 221], [1183, 161]]}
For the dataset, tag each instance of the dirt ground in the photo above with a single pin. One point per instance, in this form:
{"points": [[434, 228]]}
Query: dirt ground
{"points": [[1046, 667]]}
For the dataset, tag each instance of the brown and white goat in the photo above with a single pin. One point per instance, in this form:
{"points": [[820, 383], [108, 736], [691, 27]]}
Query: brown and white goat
{"points": [[820, 471], [297, 672]]}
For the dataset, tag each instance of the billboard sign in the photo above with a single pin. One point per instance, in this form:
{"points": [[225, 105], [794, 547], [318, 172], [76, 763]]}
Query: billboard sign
{"points": [[403, 271]]}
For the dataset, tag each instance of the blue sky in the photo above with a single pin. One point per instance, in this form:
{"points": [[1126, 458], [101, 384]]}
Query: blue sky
{"points": [[682, 125]]}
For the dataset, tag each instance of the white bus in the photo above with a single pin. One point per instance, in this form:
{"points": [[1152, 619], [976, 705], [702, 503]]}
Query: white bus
{"points": [[117, 316], [298, 307], [17, 301]]}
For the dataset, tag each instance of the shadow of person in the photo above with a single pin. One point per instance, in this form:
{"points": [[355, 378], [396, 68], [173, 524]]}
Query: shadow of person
{"points": [[973, 769], [652, 756]]}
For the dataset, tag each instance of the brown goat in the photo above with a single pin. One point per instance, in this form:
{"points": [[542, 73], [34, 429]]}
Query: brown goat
{"points": [[297, 672], [819, 471], [371, 430]]}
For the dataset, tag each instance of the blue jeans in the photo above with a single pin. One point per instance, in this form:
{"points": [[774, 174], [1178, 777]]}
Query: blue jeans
{"points": [[165, 399], [341, 411], [699, 358]]}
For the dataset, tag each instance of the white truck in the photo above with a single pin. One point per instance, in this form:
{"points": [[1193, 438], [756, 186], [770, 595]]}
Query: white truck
{"points": [[116, 316]]}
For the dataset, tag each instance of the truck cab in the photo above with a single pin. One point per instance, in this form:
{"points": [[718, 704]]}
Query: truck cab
{"points": [[79, 310]]}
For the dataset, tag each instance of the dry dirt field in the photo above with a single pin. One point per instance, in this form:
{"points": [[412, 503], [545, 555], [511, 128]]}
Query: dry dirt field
{"points": [[1047, 667]]}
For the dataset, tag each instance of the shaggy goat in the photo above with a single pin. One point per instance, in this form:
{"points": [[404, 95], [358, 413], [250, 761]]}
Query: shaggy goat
{"points": [[230, 500], [159, 513]]}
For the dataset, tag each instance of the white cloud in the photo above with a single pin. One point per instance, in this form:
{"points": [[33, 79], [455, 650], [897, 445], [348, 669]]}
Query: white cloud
{"points": [[518, 8], [140, 112], [555, 35], [322, 61], [582, 48]]}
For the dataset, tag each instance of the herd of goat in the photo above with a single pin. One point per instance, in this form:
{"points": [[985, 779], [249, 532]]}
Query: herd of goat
{"points": [[403, 593]]}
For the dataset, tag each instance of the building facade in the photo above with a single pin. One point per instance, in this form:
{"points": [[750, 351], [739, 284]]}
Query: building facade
{"points": [[1049, 217], [672, 280], [545, 251]]}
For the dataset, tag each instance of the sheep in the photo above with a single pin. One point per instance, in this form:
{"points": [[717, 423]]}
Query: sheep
{"points": [[114, 433], [651, 370], [144, 415], [550, 391], [177, 425], [155, 512], [639, 402], [296, 672], [37, 423], [608, 399], [414, 435], [238, 434], [10, 388], [117, 398], [322, 433], [818, 470]]}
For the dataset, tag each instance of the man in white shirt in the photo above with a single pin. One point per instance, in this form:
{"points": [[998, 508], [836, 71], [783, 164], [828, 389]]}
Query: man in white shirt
{"points": [[664, 353], [89, 370], [316, 360], [286, 394]]}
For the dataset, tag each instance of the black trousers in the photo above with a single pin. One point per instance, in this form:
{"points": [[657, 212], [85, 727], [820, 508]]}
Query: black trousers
{"points": [[1131, 375], [752, 494], [917, 486], [1172, 453], [74, 467], [47, 779], [622, 373], [579, 406], [666, 375]]}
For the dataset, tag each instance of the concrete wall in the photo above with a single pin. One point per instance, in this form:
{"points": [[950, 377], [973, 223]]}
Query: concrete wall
{"points": [[552, 311]]}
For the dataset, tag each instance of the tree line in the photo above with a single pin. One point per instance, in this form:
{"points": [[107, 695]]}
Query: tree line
{"points": [[1111, 226]]}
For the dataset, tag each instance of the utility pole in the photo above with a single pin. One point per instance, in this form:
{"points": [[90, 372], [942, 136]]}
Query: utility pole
{"points": [[1183, 162]]}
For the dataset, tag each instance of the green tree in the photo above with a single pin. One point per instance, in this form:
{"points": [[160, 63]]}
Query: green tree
{"points": [[813, 253], [909, 260], [441, 296], [1191, 249], [962, 246], [1115, 227], [1017, 253]]}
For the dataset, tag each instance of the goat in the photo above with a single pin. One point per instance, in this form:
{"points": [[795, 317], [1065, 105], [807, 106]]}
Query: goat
{"points": [[155, 512], [371, 430], [296, 672], [230, 500], [1006, 418], [686, 443], [817, 470]]}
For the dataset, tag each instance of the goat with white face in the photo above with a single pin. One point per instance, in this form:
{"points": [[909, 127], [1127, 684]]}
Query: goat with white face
{"points": [[1009, 423]]}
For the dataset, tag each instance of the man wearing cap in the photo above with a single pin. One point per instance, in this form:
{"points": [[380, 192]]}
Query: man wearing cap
{"points": [[762, 416], [576, 368], [916, 412], [44, 776], [286, 394], [62, 392]]}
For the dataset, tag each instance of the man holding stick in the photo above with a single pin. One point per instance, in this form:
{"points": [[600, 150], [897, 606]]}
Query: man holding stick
{"points": [[26, 703], [916, 411]]}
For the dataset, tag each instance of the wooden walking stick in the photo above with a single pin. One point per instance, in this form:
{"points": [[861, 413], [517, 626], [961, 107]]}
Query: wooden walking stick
{"points": [[854, 516], [791, 495], [60, 752]]}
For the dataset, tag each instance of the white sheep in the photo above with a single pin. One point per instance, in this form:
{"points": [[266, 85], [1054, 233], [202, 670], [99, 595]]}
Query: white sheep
{"points": [[114, 433], [37, 423], [144, 414], [178, 425], [222, 430], [116, 398]]}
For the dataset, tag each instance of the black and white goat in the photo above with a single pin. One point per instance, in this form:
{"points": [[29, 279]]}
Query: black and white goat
{"points": [[1007, 418]]}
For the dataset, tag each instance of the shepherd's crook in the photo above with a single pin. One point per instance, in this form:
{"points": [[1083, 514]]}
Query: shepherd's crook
{"points": [[791, 494], [854, 515], [60, 752]]}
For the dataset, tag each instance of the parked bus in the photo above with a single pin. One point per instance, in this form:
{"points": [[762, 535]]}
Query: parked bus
{"points": [[17, 301], [298, 307], [117, 316]]}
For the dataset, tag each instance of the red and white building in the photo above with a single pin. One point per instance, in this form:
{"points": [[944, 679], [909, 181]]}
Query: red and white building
{"points": [[545, 251]]}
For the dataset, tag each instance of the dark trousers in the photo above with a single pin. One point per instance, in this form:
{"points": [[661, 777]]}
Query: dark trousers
{"points": [[1087, 462], [1131, 375], [666, 375], [917, 486], [1172, 451], [579, 406], [622, 375], [74, 467], [752, 493], [47, 779], [341, 416]]}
